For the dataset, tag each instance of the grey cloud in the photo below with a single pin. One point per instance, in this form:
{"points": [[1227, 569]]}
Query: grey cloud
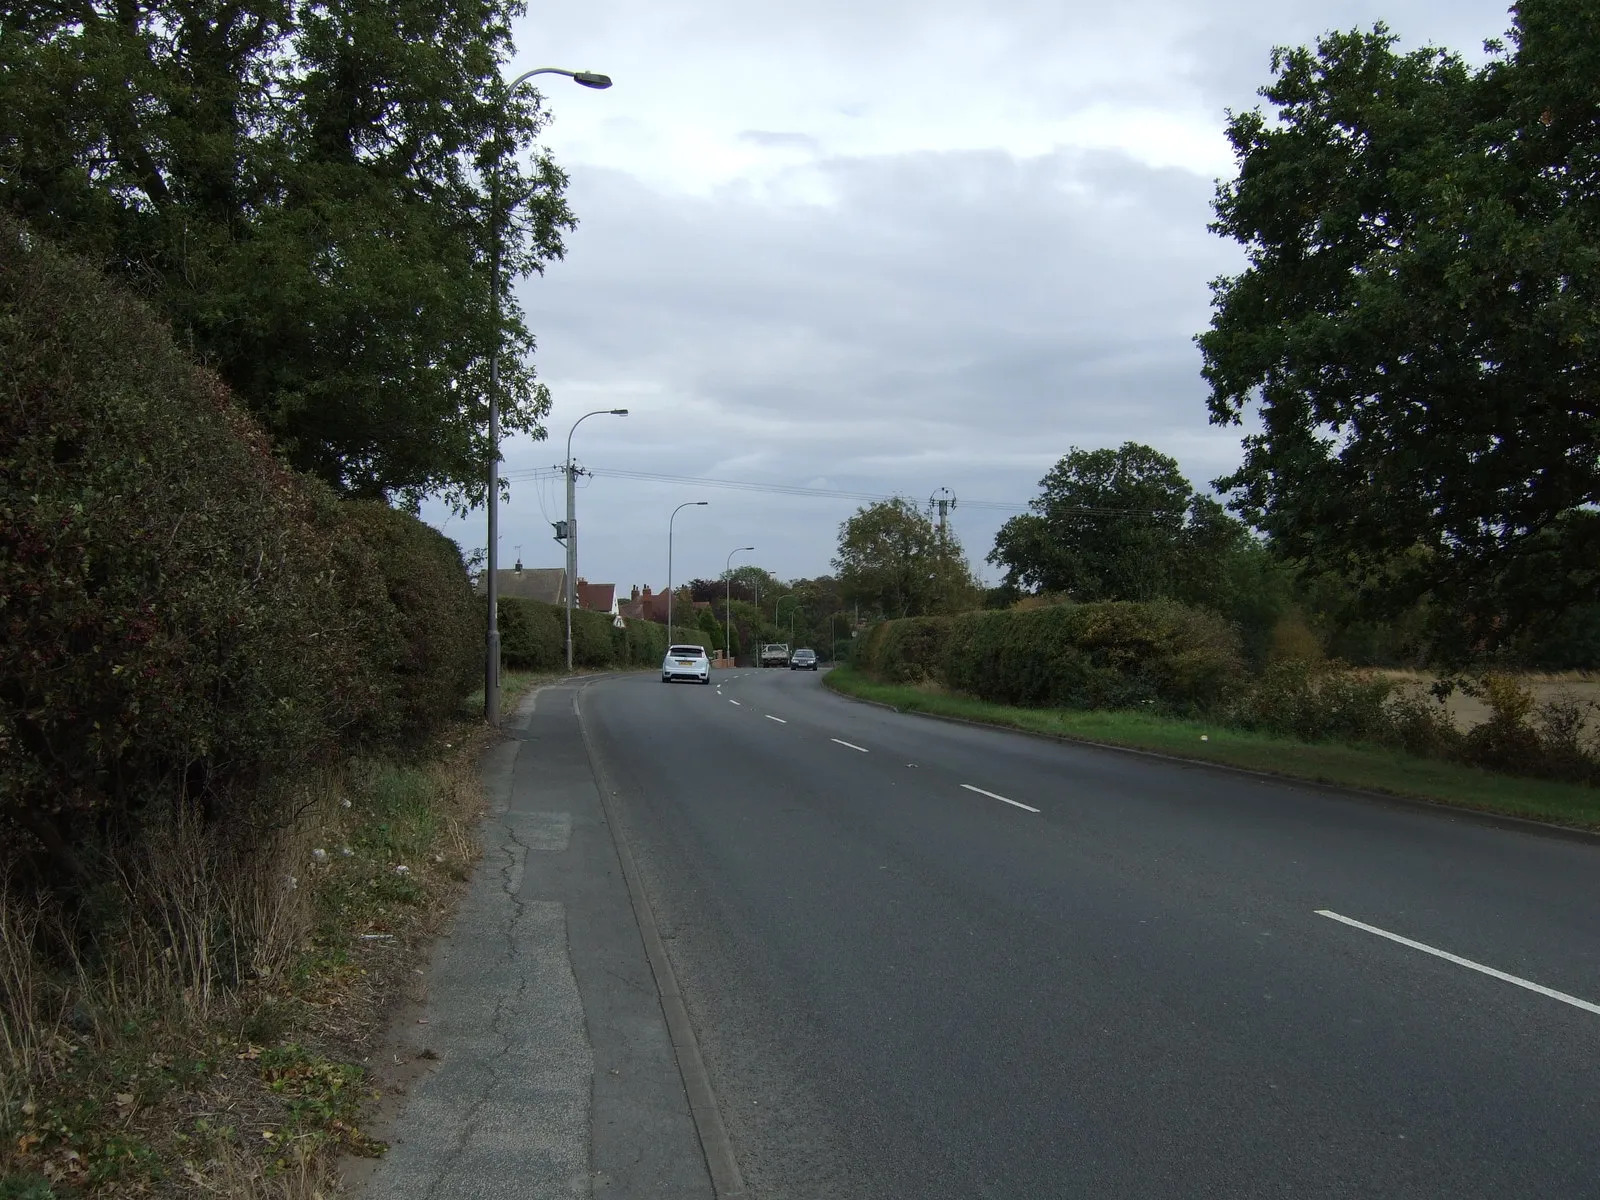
{"points": [[901, 322], [945, 320]]}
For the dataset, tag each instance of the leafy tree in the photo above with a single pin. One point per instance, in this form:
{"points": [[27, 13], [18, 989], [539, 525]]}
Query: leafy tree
{"points": [[1418, 325], [300, 189], [894, 560], [1119, 524], [708, 624]]}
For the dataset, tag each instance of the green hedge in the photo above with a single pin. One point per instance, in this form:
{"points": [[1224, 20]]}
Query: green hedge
{"points": [[428, 652], [182, 618], [1106, 655], [533, 637]]}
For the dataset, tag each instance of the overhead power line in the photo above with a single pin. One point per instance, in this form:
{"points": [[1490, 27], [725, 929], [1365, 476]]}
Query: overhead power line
{"points": [[784, 489]]}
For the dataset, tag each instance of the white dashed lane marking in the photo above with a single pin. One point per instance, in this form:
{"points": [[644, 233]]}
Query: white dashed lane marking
{"points": [[1463, 962], [851, 745], [1002, 799]]}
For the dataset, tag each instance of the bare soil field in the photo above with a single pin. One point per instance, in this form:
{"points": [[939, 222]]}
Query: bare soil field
{"points": [[1467, 711]]}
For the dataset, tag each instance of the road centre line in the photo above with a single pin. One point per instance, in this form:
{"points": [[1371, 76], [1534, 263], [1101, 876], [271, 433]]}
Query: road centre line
{"points": [[1002, 799], [852, 745], [1464, 962], [779, 720], [735, 702]]}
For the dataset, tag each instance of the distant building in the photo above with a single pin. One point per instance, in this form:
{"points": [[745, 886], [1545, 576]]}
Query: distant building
{"points": [[597, 597], [645, 605], [547, 584]]}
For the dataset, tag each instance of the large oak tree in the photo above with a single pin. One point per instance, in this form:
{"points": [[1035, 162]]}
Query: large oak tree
{"points": [[1418, 325]]}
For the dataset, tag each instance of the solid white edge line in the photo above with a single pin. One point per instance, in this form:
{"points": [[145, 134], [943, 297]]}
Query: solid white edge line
{"points": [[1464, 962], [1002, 799], [852, 745], [779, 720]]}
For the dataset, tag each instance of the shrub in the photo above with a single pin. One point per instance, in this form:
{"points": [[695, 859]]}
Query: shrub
{"points": [[425, 643], [1523, 737], [1314, 702], [186, 622], [171, 610], [1104, 655], [533, 637]]}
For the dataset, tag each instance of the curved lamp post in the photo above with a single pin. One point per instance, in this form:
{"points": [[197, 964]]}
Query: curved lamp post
{"points": [[570, 600], [670, 520], [727, 604], [491, 675]]}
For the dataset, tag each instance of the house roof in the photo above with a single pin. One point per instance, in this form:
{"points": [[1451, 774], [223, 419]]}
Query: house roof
{"points": [[596, 597], [530, 583]]}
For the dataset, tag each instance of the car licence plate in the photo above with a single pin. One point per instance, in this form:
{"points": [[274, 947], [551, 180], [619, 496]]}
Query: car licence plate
{"points": [[686, 662]]}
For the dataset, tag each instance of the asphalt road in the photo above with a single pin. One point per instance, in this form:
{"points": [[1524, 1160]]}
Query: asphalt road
{"points": [[904, 987]]}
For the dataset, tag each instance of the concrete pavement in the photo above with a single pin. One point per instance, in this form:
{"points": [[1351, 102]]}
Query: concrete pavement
{"points": [[558, 1077]]}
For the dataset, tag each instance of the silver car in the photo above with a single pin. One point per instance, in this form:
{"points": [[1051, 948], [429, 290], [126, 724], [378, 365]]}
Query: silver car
{"points": [[686, 662]]}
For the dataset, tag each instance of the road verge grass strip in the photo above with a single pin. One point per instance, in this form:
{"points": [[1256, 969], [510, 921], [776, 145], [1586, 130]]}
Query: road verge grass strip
{"points": [[1365, 768]]}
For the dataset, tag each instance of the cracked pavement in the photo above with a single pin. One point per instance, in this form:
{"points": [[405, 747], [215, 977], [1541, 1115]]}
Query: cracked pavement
{"points": [[557, 1076]]}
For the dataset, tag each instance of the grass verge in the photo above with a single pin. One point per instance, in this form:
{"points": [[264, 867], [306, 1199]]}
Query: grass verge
{"points": [[159, 1065], [1366, 767]]}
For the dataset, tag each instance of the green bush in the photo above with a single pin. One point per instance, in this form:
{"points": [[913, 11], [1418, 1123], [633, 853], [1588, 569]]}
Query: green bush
{"points": [[426, 651], [1171, 659], [1316, 702], [533, 637], [170, 611], [1105, 655], [186, 622]]}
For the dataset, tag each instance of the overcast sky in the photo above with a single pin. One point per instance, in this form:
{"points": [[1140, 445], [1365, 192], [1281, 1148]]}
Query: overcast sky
{"points": [[882, 246]]}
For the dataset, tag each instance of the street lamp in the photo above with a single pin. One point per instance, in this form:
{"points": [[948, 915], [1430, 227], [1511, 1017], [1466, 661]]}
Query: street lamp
{"points": [[570, 600], [491, 674], [727, 604], [670, 520], [778, 608]]}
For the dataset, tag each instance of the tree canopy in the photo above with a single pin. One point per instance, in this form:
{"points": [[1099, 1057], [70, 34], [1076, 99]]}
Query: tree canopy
{"points": [[1417, 327], [894, 560], [300, 187], [1119, 524]]}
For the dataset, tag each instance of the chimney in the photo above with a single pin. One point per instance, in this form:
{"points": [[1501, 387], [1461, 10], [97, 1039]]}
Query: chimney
{"points": [[635, 591], [647, 591]]}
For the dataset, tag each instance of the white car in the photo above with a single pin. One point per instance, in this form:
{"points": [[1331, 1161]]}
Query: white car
{"points": [[686, 662]]}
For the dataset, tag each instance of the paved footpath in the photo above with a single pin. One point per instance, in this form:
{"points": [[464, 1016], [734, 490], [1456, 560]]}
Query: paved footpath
{"points": [[558, 1077]]}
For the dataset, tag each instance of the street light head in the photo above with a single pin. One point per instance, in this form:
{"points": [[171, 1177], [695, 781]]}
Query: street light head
{"points": [[702, 503], [619, 412], [746, 548], [590, 79]]}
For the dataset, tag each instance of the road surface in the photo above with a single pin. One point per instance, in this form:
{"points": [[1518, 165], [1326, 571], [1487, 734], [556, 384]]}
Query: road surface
{"points": [[926, 960]]}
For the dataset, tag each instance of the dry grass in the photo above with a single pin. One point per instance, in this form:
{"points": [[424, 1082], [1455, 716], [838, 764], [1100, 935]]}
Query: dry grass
{"points": [[1467, 711], [203, 1037]]}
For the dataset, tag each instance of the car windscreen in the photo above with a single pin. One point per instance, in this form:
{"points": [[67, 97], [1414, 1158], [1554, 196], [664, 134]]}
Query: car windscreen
{"points": [[686, 652]]}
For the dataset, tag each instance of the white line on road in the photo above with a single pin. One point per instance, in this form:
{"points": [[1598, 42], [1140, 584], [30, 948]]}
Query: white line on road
{"points": [[852, 745], [1002, 799], [1464, 962], [735, 702], [779, 720]]}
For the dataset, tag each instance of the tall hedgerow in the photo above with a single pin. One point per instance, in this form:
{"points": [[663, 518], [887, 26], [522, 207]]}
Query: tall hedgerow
{"points": [[1105, 655], [183, 619]]}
